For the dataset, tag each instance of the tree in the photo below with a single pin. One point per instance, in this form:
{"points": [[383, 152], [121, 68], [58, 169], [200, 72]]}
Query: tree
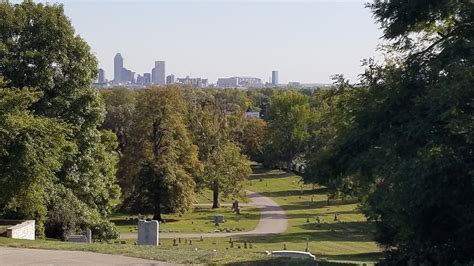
{"points": [[287, 133], [32, 150], [408, 144], [120, 105], [253, 138], [160, 158], [39, 49], [225, 169]]}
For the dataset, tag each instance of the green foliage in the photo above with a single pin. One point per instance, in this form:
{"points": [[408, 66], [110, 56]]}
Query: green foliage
{"points": [[253, 138], [160, 158], [25, 139], [215, 127], [406, 144], [288, 118], [39, 49]]}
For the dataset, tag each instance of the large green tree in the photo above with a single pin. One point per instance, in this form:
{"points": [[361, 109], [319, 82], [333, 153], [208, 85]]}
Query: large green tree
{"points": [[225, 167], [39, 49], [32, 150], [408, 144], [288, 117], [160, 158]]}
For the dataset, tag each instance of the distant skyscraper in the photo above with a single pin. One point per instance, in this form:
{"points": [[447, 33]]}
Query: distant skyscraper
{"points": [[274, 77], [170, 79], [158, 73], [146, 78], [101, 76], [118, 68]]}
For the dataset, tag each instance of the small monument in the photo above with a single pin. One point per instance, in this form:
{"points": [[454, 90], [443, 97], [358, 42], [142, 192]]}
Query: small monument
{"points": [[218, 219], [148, 233]]}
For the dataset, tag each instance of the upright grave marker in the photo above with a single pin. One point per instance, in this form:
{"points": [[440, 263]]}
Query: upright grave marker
{"points": [[148, 233]]}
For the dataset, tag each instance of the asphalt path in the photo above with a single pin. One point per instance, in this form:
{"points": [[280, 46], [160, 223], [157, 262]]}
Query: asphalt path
{"points": [[24, 256]]}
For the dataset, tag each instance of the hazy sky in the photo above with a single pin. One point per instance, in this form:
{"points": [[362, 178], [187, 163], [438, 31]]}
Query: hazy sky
{"points": [[305, 41]]}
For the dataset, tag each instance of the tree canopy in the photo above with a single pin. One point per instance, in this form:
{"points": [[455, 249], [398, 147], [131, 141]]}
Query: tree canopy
{"points": [[39, 49], [406, 144]]}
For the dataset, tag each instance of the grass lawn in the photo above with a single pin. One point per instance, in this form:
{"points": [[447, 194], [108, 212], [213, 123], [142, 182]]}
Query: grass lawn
{"points": [[346, 242], [198, 221]]}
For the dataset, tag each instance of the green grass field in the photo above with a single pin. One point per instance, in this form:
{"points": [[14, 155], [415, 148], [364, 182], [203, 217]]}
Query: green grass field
{"points": [[346, 242], [198, 221]]}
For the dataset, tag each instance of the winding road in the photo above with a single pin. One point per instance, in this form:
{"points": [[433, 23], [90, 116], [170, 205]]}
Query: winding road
{"points": [[272, 221]]}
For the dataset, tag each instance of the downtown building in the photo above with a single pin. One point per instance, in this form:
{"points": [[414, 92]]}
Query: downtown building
{"points": [[239, 82], [158, 74], [195, 82]]}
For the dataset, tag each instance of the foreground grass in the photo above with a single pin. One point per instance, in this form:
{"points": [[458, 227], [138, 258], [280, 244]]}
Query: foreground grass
{"points": [[181, 254]]}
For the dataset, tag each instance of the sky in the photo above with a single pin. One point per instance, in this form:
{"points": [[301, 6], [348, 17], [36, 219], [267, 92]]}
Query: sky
{"points": [[306, 41]]}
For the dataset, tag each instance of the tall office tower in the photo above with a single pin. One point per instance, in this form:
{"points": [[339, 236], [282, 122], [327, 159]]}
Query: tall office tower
{"points": [[118, 68], [274, 77], [146, 78], [158, 73], [101, 76], [170, 79]]}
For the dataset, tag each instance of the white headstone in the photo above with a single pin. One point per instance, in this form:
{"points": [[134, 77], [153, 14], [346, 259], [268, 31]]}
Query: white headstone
{"points": [[148, 233]]}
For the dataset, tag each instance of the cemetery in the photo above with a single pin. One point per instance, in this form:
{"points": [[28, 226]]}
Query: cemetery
{"points": [[347, 240]]}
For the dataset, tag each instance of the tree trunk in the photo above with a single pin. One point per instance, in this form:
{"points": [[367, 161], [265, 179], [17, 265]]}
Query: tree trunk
{"points": [[157, 213], [215, 195], [288, 166]]}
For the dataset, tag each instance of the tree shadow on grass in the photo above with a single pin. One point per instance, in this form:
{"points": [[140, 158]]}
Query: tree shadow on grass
{"points": [[312, 215], [288, 262], [308, 205], [369, 256], [306, 192], [324, 233], [267, 175]]}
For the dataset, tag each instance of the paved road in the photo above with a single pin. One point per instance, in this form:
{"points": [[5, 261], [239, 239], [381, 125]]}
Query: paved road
{"points": [[23, 256], [272, 221]]}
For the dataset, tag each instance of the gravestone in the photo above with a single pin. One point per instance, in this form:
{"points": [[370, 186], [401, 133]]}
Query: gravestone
{"points": [[148, 233], [218, 219], [84, 238]]}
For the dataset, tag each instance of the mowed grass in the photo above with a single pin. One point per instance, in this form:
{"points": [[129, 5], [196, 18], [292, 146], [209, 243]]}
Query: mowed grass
{"points": [[197, 221], [351, 239]]}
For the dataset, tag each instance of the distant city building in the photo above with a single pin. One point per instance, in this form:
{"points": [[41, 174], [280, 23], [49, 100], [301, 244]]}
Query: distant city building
{"points": [[250, 82], [196, 82], [234, 82], [275, 78], [146, 78], [158, 73], [118, 68], [228, 82], [294, 84], [102, 76], [140, 80], [128, 76], [170, 79]]}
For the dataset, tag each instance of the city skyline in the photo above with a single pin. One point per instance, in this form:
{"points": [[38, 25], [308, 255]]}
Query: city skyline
{"points": [[158, 76], [306, 42]]}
